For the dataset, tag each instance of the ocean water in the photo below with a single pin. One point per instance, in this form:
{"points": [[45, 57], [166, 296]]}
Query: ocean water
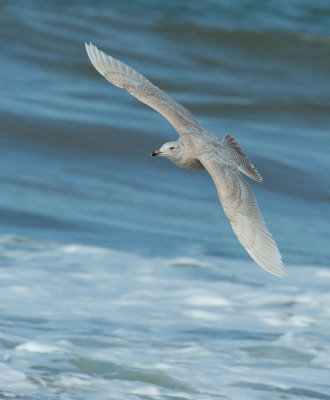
{"points": [[120, 275]]}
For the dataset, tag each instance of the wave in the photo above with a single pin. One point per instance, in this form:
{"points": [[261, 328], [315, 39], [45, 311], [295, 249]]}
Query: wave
{"points": [[235, 70]]}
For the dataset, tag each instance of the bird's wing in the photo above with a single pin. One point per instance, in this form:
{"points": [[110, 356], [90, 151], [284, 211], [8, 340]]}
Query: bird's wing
{"points": [[137, 85], [241, 208]]}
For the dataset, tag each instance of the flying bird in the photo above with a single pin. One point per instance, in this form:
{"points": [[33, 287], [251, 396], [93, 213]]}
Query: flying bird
{"points": [[196, 148]]}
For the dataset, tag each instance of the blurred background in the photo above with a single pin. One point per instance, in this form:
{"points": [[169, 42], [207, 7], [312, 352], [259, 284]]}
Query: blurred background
{"points": [[120, 275]]}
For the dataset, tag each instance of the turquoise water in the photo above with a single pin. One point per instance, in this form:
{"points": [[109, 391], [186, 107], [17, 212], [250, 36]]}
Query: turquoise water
{"points": [[120, 275]]}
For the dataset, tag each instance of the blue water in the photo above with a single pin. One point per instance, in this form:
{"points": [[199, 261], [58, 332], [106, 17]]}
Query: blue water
{"points": [[120, 275]]}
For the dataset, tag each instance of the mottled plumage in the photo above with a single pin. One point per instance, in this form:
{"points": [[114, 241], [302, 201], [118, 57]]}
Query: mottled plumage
{"points": [[198, 149]]}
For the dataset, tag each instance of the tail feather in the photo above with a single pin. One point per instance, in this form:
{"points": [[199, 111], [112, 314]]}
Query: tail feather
{"points": [[243, 163]]}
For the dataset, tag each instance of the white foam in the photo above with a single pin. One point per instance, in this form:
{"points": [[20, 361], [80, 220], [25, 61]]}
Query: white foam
{"points": [[301, 320], [202, 315], [155, 315], [148, 390], [36, 347], [207, 301], [10, 374], [20, 290], [13, 380], [81, 250], [188, 262], [73, 381], [323, 273]]}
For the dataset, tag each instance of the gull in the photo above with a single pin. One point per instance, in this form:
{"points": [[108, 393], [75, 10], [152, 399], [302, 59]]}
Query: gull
{"points": [[196, 148]]}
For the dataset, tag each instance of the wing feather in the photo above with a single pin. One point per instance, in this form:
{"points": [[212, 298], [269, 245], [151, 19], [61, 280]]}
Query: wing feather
{"points": [[241, 208], [123, 76]]}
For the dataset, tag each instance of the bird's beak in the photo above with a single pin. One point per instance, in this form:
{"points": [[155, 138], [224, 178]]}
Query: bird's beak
{"points": [[155, 153]]}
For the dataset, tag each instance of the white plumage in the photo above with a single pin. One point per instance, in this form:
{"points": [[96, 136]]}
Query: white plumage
{"points": [[196, 149]]}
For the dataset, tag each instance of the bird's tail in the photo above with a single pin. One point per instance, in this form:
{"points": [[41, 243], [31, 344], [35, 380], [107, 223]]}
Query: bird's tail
{"points": [[242, 160]]}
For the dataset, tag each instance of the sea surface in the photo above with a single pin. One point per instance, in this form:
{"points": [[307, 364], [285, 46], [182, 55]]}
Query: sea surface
{"points": [[120, 276]]}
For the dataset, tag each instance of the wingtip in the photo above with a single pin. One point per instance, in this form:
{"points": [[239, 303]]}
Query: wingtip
{"points": [[260, 179], [284, 274], [279, 272], [273, 265], [89, 45]]}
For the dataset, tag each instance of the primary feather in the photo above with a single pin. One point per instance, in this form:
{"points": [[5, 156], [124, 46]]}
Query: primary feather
{"points": [[137, 85]]}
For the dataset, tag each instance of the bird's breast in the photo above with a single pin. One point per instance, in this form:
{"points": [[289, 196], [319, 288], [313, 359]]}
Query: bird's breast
{"points": [[191, 163]]}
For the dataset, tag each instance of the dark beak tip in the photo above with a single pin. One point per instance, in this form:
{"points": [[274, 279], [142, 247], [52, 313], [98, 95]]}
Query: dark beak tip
{"points": [[154, 153]]}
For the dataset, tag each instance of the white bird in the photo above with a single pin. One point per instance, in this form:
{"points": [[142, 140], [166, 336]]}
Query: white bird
{"points": [[199, 149]]}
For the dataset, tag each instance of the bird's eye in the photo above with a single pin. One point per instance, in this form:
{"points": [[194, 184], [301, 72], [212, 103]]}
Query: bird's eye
{"points": [[171, 148]]}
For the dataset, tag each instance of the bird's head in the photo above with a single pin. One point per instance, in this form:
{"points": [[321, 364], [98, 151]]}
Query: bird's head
{"points": [[170, 150]]}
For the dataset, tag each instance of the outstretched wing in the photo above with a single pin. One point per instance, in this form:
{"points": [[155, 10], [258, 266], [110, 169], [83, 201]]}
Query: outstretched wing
{"points": [[241, 208], [137, 85]]}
